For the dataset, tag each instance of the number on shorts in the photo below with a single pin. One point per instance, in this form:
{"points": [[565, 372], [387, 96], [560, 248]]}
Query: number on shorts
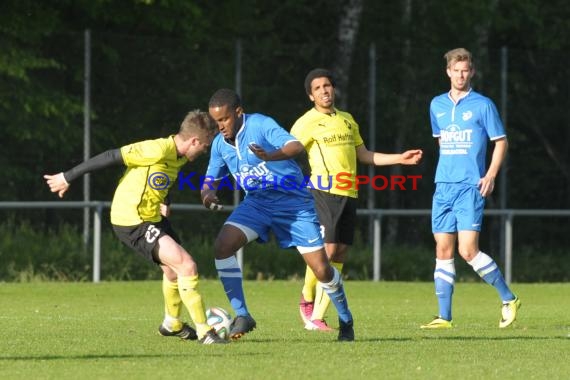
{"points": [[151, 233]]}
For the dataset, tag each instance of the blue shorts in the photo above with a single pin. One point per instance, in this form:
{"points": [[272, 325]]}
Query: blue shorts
{"points": [[456, 207], [292, 219]]}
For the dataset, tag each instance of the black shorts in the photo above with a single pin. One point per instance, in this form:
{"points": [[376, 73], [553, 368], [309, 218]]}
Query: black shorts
{"points": [[337, 215], [143, 238]]}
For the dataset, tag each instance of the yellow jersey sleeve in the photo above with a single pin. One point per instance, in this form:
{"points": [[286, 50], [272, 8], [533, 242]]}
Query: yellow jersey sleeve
{"points": [[152, 169], [144, 153]]}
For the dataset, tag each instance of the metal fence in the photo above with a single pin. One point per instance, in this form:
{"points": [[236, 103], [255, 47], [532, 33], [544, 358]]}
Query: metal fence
{"points": [[388, 93], [508, 216]]}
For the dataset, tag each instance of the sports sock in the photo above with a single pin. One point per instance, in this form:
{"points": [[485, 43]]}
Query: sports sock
{"points": [[444, 279], [172, 302], [310, 285], [322, 300], [231, 276], [335, 291], [171, 323], [488, 270], [188, 288]]}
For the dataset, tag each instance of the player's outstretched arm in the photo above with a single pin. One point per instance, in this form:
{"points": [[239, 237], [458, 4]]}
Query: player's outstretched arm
{"points": [[409, 157], [59, 183]]}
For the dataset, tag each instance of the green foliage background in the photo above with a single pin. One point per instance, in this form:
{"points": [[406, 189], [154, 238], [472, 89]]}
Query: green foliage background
{"points": [[29, 254], [153, 61]]}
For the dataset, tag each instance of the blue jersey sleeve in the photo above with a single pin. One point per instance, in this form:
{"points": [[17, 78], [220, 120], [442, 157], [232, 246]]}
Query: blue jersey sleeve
{"points": [[433, 119], [217, 168], [492, 121], [274, 134]]}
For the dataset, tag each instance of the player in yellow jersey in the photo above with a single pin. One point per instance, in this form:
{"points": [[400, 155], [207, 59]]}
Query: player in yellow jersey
{"points": [[152, 168], [333, 144]]}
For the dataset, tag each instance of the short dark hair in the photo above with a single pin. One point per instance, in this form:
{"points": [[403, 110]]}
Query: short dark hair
{"points": [[225, 97], [318, 73]]}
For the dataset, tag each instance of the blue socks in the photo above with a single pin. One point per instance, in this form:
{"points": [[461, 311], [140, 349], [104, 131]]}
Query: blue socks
{"points": [[231, 276], [444, 279], [335, 291], [488, 270]]}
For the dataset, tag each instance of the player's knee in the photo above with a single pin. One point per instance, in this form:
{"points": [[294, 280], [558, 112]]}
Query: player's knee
{"points": [[322, 272], [222, 250], [190, 268], [444, 251], [467, 253]]}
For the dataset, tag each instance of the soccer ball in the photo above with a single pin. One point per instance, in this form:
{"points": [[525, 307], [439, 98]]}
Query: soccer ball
{"points": [[220, 320]]}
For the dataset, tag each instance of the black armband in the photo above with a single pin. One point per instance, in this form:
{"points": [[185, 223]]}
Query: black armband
{"points": [[108, 158]]}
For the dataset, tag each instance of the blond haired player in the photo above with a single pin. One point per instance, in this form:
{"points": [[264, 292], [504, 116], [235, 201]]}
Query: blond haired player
{"points": [[152, 168], [463, 121]]}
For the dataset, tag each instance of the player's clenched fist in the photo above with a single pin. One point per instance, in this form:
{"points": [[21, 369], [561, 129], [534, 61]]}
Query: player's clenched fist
{"points": [[211, 201]]}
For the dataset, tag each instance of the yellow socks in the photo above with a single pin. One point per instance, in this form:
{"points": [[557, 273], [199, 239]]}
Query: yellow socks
{"points": [[309, 285], [172, 304], [188, 289]]}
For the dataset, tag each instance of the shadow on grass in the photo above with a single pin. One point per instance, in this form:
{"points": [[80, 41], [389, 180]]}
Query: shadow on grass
{"points": [[126, 356], [404, 339], [497, 338], [272, 341]]}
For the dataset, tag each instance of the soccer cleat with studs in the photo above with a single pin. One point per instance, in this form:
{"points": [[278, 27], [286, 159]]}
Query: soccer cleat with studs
{"points": [[345, 331], [212, 338], [186, 332], [438, 323], [509, 312], [241, 325], [306, 310], [318, 325]]}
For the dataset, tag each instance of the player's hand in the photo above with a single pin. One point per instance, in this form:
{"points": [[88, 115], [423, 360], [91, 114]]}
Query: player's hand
{"points": [[259, 152], [165, 210], [211, 201], [57, 183], [412, 157], [486, 186]]}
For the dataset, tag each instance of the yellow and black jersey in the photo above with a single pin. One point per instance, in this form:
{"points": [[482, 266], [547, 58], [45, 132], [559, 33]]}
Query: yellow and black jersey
{"points": [[330, 141], [152, 168]]}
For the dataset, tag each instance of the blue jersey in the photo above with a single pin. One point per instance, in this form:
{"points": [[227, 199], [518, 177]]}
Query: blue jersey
{"points": [[267, 180], [463, 129]]}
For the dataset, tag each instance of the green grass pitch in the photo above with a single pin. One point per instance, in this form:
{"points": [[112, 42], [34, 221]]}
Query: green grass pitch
{"points": [[109, 331]]}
